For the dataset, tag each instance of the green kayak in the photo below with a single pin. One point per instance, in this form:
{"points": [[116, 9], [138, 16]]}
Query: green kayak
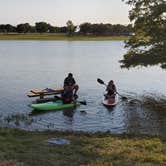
{"points": [[58, 105]]}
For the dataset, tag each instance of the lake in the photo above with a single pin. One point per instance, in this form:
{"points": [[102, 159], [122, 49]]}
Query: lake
{"points": [[27, 65]]}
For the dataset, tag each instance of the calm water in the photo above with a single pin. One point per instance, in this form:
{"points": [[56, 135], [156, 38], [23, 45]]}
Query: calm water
{"points": [[26, 65]]}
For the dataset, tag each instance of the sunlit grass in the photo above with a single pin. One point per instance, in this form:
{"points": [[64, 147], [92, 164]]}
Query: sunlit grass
{"points": [[59, 37], [31, 148]]}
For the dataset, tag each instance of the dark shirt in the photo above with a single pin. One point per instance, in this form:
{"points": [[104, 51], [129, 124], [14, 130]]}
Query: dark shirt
{"points": [[111, 89], [69, 81]]}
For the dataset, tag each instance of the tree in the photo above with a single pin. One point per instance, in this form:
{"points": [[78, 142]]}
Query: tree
{"points": [[85, 28], [7, 28], [42, 27], [70, 28], [52, 29], [148, 44], [23, 28], [10, 28]]}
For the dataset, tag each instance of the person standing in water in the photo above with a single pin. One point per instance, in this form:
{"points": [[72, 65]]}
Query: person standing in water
{"points": [[70, 81], [70, 89]]}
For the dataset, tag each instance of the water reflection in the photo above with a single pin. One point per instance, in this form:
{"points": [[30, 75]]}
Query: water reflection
{"points": [[68, 113]]}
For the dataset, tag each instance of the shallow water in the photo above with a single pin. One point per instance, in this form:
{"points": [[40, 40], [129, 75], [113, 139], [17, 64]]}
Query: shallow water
{"points": [[26, 65]]}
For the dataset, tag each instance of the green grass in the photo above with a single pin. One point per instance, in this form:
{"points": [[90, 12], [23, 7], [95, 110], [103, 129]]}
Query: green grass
{"points": [[21, 148], [59, 37]]}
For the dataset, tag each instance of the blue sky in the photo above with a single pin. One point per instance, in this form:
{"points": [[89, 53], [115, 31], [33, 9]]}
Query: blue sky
{"points": [[58, 12]]}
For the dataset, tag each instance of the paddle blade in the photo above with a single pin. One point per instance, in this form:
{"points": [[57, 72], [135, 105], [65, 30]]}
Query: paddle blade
{"points": [[124, 98], [83, 102], [100, 81]]}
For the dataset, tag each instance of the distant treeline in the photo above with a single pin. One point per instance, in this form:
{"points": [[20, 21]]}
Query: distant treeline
{"points": [[70, 29]]}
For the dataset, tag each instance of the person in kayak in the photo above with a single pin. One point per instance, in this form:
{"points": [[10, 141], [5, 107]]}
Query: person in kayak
{"points": [[111, 90], [70, 82]]}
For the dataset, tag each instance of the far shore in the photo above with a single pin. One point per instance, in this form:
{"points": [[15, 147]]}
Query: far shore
{"points": [[60, 37]]}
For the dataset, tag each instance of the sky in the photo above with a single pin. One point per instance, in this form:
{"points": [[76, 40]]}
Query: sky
{"points": [[58, 12]]}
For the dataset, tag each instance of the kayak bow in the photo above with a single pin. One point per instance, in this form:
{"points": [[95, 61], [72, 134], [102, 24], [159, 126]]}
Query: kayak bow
{"points": [[110, 102]]}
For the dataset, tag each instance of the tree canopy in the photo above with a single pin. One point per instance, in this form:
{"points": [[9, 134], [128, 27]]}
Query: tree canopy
{"points": [[104, 29], [42, 27], [23, 28], [148, 44], [85, 29]]}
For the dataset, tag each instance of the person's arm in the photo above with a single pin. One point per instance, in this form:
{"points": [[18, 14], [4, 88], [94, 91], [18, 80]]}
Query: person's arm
{"points": [[65, 81], [74, 82], [115, 90]]}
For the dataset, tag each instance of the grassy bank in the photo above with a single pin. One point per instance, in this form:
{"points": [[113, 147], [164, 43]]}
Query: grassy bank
{"points": [[59, 37], [22, 148]]}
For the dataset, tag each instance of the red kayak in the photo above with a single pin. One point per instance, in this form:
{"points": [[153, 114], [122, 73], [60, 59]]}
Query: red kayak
{"points": [[110, 101]]}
